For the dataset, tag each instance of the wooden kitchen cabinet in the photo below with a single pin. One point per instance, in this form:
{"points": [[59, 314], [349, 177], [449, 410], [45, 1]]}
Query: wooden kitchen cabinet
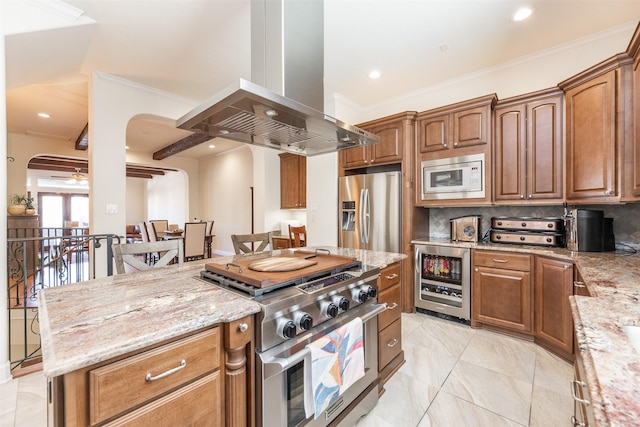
{"points": [[390, 353], [579, 287], [599, 133], [394, 133], [293, 181], [199, 379], [528, 149], [280, 242], [444, 131], [553, 324], [582, 411], [633, 156], [502, 291]]}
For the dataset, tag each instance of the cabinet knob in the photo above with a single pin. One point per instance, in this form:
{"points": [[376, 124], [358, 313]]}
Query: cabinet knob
{"points": [[607, 192], [455, 144], [522, 196], [445, 145], [530, 196], [475, 269], [243, 327]]}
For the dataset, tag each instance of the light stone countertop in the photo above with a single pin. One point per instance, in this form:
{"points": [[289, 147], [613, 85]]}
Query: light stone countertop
{"points": [[89, 322], [612, 364]]}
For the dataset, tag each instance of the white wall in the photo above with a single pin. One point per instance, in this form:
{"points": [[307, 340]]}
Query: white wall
{"points": [[226, 181], [167, 198], [136, 200]]}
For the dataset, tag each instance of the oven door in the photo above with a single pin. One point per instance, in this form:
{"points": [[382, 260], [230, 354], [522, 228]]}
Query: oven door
{"points": [[281, 374]]}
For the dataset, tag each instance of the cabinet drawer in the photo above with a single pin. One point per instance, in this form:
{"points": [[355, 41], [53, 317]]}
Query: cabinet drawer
{"points": [[389, 276], [185, 406], [504, 260], [392, 298], [122, 385], [390, 343]]}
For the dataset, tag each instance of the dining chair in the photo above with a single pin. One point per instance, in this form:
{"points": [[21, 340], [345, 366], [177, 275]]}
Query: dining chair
{"points": [[210, 228], [131, 257], [298, 236], [144, 234], [151, 231], [194, 237], [161, 225], [240, 240]]}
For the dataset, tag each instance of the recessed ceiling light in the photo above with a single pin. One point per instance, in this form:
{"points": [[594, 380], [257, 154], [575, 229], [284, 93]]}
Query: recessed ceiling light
{"points": [[374, 74], [212, 146], [522, 14], [44, 115]]}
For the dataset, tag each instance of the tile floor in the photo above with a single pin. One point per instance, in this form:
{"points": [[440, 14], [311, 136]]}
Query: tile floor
{"points": [[458, 376], [454, 376]]}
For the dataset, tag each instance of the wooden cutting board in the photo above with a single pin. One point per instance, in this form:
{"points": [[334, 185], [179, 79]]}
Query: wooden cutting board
{"points": [[242, 268], [281, 263]]}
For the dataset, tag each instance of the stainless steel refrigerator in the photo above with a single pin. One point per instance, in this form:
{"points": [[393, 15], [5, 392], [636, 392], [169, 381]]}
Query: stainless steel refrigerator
{"points": [[370, 211]]}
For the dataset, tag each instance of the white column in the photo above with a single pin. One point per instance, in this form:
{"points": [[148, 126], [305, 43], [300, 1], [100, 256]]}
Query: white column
{"points": [[5, 367]]}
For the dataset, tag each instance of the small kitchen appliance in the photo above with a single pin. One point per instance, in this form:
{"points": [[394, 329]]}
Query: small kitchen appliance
{"points": [[465, 228], [527, 231], [589, 231], [460, 177]]}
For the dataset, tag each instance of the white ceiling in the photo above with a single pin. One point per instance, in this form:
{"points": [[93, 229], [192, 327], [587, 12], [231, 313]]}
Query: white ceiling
{"points": [[195, 48]]}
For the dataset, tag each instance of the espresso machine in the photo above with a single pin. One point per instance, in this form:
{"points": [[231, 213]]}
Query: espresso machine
{"points": [[588, 230]]}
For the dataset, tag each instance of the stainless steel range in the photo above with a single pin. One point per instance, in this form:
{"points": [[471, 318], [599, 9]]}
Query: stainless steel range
{"points": [[300, 306]]}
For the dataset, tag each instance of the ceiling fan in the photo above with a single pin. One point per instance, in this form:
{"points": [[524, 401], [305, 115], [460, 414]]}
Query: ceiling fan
{"points": [[76, 177]]}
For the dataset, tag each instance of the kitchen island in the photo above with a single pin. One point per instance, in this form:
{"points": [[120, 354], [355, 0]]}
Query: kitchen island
{"points": [[610, 361], [95, 330]]}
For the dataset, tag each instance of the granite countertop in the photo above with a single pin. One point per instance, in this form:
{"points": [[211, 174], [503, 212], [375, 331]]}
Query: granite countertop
{"points": [[612, 364], [89, 322]]}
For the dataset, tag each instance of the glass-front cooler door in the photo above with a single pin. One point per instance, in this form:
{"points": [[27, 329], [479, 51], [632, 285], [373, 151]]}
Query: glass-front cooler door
{"points": [[441, 279]]}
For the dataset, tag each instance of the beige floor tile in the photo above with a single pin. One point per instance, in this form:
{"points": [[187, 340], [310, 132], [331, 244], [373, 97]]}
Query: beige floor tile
{"points": [[31, 409], [499, 393], [442, 335], [405, 400], [552, 373], [9, 398], [550, 409], [506, 355], [425, 364], [448, 410]]}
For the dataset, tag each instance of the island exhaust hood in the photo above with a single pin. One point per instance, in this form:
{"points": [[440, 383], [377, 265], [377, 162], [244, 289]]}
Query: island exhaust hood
{"points": [[282, 111]]}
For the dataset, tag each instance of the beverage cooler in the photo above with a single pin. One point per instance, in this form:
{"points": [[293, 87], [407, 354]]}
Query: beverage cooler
{"points": [[443, 283]]}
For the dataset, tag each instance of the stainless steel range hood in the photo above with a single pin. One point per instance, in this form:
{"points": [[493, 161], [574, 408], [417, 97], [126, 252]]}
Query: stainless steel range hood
{"points": [[287, 56]]}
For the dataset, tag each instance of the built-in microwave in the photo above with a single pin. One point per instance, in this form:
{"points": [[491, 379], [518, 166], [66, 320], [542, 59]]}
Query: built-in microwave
{"points": [[454, 178]]}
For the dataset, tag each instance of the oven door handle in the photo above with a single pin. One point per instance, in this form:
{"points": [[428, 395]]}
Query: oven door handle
{"points": [[277, 365]]}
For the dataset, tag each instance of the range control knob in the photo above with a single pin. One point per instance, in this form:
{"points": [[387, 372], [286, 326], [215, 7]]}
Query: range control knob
{"points": [[328, 309], [341, 302], [360, 295], [286, 328], [303, 321], [371, 291]]}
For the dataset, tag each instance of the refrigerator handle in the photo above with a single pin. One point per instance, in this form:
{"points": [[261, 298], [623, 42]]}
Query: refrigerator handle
{"points": [[367, 216], [361, 216]]}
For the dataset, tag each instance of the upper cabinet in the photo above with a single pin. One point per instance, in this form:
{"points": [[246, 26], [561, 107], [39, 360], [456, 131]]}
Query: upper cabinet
{"points": [[599, 133], [634, 51], [394, 132], [528, 149], [293, 181], [444, 131]]}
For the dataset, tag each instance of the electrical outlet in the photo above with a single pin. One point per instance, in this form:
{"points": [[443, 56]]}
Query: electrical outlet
{"points": [[112, 209]]}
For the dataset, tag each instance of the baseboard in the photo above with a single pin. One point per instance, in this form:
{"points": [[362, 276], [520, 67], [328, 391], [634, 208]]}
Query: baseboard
{"points": [[5, 372]]}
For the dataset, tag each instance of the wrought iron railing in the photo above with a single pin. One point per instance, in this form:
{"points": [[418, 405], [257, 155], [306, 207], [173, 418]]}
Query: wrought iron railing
{"points": [[40, 258]]}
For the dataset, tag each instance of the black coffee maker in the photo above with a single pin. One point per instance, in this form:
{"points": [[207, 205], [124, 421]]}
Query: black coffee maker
{"points": [[589, 231]]}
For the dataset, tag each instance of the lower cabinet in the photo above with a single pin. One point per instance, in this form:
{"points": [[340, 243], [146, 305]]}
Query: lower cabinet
{"points": [[501, 291], [201, 380], [582, 412], [553, 325], [390, 354]]}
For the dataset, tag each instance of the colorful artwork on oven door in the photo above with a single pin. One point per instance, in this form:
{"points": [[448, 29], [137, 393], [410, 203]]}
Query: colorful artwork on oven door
{"points": [[337, 362]]}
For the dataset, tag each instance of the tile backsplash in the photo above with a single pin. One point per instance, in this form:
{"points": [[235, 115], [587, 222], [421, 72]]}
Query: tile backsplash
{"points": [[626, 218]]}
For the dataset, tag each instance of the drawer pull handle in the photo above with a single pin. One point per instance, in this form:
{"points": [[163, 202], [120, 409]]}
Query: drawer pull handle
{"points": [[585, 402], [575, 422], [393, 343], [149, 377], [579, 284], [393, 276], [230, 264], [500, 260], [243, 327], [391, 307]]}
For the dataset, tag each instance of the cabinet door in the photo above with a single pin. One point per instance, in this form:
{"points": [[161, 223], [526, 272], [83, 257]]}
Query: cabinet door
{"points": [[544, 149], [591, 140], [510, 153], [471, 127], [552, 288], [293, 181], [355, 157], [433, 133], [502, 298], [636, 121], [389, 149]]}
